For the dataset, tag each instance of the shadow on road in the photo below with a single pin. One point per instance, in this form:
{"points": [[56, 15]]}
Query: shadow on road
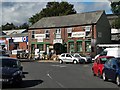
{"points": [[24, 84]]}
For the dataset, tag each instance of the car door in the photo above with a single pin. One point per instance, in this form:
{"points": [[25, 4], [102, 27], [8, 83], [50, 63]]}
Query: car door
{"points": [[107, 67], [112, 70], [95, 68], [69, 58]]}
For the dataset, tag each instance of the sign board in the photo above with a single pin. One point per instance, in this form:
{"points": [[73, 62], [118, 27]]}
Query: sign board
{"points": [[78, 34], [37, 36], [40, 40], [57, 41]]}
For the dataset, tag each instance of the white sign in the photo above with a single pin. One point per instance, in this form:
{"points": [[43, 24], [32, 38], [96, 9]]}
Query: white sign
{"points": [[57, 41], [78, 34], [40, 40], [38, 36], [16, 39]]}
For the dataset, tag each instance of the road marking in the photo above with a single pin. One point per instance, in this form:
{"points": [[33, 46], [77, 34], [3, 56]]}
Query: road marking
{"points": [[49, 76], [55, 81], [60, 84], [85, 65], [59, 65]]}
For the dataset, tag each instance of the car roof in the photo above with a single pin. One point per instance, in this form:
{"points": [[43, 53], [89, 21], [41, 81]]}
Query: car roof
{"points": [[4, 57], [106, 57]]}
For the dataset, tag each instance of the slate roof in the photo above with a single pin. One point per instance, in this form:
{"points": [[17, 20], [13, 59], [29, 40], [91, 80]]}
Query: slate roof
{"points": [[69, 20]]}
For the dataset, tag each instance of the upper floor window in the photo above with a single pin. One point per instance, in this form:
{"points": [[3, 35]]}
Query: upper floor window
{"points": [[47, 34], [69, 32], [58, 33], [87, 30], [33, 32]]}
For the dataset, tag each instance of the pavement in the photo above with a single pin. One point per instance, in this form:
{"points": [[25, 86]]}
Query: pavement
{"points": [[26, 60]]}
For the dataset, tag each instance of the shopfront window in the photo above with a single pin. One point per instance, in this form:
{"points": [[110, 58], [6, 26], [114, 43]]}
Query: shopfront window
{"points": [[71, 46], [88, 46], [32, 47], [40, 47], [79, 46]]}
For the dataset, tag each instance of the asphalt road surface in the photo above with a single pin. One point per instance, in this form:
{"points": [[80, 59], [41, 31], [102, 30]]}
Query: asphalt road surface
{"points": [[55, 75]]}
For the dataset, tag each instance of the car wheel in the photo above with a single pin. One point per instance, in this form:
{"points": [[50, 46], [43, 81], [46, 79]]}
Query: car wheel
{"points": [[104, 76], [118, 80], [75, 62], [61, 61]]}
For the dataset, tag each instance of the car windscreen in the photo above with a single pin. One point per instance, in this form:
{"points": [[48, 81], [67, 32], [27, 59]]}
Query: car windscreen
{"points": [[103, 60], [9, 63]]}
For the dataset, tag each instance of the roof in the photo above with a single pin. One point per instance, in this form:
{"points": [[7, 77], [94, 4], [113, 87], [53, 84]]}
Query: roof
{"points": [[68, 20], [9, 32]]}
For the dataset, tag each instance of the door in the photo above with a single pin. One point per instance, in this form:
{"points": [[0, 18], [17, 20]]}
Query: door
{"points": [[69, 58]]}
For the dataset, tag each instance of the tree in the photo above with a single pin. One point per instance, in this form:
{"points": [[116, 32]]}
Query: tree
{"points": [[53, 9], [115, 7], [116, 10], [8, 26], [23, 26]]}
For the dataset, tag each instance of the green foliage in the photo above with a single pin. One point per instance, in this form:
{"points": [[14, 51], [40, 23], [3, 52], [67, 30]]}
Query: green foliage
{"points": [[53, 9], [116, 23], [115, 7], [10, 26]]}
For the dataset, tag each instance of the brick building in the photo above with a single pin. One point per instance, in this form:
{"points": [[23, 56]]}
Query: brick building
{"points": [[71, 33]]}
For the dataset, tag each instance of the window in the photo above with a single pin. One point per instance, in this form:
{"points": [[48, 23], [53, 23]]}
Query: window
{"points": [[87, 30], [33, 32], [88, 46], [63, 55], [58, 33], [79, 46], [47, 34], [71, 47], [69, 32], [40, 47], [67, 55], [32, 47]]}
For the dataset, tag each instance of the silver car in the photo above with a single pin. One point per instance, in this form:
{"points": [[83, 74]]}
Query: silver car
{"points": [[68, 58]]}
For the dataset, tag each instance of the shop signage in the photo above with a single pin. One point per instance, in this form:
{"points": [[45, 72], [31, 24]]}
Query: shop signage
{"points": [[57, 41], [78, 34], [38, 36]]}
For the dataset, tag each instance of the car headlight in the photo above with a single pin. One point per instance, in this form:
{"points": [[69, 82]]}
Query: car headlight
{"points": [[16, 73]]}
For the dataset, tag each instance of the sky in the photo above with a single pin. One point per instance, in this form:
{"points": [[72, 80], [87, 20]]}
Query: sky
{"points": [[19, 11]]}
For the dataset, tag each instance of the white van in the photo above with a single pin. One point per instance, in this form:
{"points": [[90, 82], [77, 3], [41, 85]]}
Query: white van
{"points": [[110, 52]]}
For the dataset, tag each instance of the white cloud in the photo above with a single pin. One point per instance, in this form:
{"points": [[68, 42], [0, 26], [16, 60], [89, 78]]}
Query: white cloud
{"points": [[19, 12]]}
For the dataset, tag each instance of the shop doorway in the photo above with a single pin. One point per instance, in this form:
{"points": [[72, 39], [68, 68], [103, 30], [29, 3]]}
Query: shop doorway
{"points": [[58, 48]]}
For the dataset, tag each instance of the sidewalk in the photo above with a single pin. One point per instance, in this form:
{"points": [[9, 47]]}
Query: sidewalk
{"points": [[47, 61]]}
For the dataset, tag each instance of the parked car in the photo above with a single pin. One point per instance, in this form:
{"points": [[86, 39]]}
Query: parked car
{"points": [[86, 59], [11, 71], [98, 65], [67, 57], [111, 70]]}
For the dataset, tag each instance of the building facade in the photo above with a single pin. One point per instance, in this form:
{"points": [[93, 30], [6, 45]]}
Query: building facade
{"points": [[77, 33]]}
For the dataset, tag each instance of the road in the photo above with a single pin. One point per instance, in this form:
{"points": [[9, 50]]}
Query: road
{"points": [[55, 75]]}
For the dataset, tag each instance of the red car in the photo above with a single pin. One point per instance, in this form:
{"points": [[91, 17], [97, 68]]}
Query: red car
{"points": [[99, 64]]}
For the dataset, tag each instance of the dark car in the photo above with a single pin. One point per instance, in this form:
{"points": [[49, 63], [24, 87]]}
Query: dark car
{"points": [[112, 70], [11, 71]]}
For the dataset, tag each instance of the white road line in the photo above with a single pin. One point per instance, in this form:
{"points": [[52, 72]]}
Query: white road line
{"points": [[59, 65], [85, 65], [49, 76], [55, 81], [60, 84]]}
